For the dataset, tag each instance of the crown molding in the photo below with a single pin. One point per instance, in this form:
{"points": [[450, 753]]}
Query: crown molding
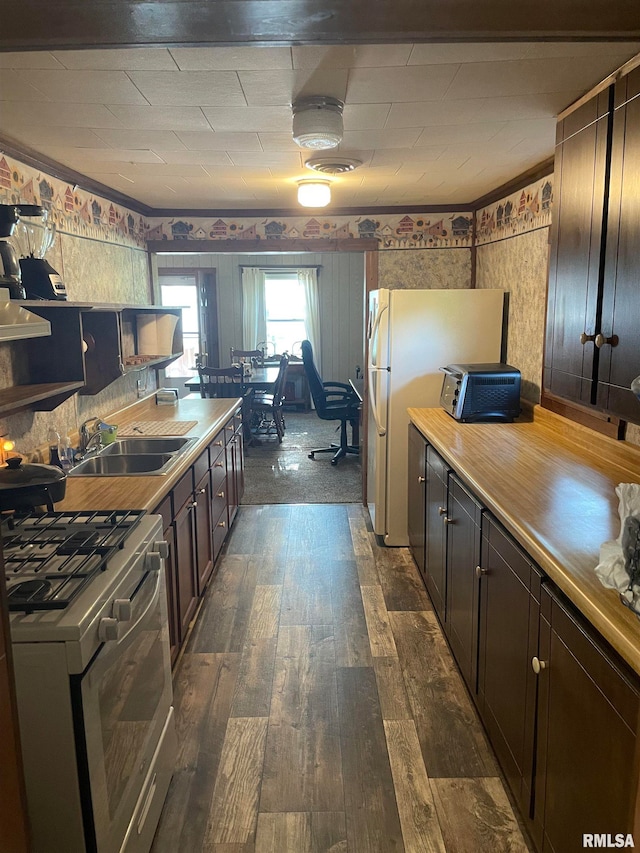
{"points": [[518, 183]]}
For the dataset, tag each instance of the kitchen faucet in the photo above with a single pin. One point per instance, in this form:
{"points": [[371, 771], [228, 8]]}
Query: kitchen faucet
{"points": [[88, 439]]}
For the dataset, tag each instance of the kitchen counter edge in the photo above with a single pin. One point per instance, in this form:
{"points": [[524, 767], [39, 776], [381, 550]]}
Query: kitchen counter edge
{"points": [[520, 472], [147, 492]]}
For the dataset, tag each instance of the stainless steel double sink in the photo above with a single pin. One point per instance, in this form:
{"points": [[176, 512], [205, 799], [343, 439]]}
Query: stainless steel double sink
{"points": [[130, 457]]}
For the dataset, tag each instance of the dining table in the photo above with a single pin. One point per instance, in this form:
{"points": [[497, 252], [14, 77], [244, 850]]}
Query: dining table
{"points": [[260, 379]]}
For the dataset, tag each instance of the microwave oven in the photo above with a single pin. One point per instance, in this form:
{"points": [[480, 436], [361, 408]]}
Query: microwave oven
{"points": [[476, 393]]}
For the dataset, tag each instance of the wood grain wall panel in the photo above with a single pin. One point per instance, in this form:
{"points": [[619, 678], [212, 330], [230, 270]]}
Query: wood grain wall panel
{"points": [[341, 281]]}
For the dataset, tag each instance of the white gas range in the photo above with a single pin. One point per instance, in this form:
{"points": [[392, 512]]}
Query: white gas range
{"points": [[93, 676]]}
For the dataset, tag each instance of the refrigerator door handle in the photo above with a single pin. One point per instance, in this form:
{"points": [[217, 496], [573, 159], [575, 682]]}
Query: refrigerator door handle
{"points": [[374, 332], [374, 404]]}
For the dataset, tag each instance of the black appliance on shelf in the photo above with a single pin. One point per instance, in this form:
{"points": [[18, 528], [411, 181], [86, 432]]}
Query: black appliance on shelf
{"points": [[34, 236], [10, 275]]}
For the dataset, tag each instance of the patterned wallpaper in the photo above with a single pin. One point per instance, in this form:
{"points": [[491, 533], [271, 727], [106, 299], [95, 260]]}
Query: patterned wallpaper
{"points": [[435, 270], [519, 265], [100, 253]]}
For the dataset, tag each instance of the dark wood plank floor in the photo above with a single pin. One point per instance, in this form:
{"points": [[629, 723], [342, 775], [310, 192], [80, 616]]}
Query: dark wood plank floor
{"points": [[319, 709]]}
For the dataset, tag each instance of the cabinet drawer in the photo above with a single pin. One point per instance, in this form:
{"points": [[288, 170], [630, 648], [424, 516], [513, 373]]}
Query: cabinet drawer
{"points": [[216, 448], [220, 529], [229, 430], [218, 493], [200, 466], [183, 491], [166, 512]]}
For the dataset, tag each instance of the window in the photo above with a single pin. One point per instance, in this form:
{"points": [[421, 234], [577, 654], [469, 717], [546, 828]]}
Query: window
{"points": [[181, 291], [286, 310]]}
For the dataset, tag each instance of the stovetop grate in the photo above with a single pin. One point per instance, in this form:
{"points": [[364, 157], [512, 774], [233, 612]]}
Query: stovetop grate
{"points": [[50, 558]]}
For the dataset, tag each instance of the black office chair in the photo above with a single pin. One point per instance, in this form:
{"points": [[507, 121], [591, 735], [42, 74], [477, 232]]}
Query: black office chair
{"points": [[334, 401], [266, 409]]}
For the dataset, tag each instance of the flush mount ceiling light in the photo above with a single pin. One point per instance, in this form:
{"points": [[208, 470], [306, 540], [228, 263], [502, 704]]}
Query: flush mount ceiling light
{"points": [[317, 122], [314, 193]]}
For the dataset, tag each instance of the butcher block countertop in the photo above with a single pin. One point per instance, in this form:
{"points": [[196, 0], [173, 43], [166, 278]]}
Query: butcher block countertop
{"points": [[552, 485], [146, 492]]}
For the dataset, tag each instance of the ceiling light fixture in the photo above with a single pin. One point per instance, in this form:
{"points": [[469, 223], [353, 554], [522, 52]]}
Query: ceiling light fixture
{"points": [[317, 122], [314, 193]]}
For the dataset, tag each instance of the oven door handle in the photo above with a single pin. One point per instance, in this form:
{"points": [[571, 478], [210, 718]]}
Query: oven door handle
{"points": [[152, 602]]}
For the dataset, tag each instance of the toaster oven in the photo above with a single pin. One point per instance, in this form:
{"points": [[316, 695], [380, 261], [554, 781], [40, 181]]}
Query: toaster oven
{"points": [[475, 393]]}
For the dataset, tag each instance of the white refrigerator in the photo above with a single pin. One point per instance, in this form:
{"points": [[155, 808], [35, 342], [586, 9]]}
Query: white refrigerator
{"points": [[411, 335]]}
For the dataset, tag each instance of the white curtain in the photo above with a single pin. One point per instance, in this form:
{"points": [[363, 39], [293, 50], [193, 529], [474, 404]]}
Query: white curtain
{"points": [[254, 314], [308, 278]]}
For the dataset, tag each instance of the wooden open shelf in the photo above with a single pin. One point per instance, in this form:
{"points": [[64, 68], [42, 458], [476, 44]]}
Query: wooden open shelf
{"points": [[90, 346], [38, 396]]}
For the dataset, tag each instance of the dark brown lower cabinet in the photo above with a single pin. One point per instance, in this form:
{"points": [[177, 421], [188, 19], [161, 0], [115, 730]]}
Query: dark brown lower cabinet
{"points": [[561, 709], [508, 640], [588, 705], [197, 515], [165, 509], [435, 574], [463, 558], [203, 521], [186, 567], [219, 513], [417, 496], [235, 465]]}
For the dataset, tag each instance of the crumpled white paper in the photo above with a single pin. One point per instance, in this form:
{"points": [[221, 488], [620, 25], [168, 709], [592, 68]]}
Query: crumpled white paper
{"points": [[611, 569]]}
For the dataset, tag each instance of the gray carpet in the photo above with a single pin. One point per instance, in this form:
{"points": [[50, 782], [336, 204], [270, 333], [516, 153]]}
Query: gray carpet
{"points": [[283, 473]]}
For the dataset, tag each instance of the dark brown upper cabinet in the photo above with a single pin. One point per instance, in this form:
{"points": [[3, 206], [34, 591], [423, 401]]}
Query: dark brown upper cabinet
{"points": [[592, 351], [90, 346]]}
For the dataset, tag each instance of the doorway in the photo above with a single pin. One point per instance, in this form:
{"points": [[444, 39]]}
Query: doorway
{"points": [[195, 292]]}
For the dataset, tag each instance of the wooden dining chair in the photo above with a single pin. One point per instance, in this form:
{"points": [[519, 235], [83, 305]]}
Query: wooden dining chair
{"points": [[266, 409], [256, 356], [220, 381]]}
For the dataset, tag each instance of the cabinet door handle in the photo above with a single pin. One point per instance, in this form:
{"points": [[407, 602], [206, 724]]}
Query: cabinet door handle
{"points": [[448, 520], [601, 341], [442, 510], [538, 665], [220, 495], [218, 465], [585, 338], [218, 443], [480, 571], [421, 479], [202, 491], [194, 503], [222, 524]]}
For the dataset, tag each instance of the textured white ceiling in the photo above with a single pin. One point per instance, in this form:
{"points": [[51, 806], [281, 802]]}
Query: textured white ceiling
{"points": [[211, 127]]}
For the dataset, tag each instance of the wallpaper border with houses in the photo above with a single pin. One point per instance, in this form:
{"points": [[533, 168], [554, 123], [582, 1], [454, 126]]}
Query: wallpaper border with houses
{"points": [[398, 231], [81, 213], [71, 209], [525, 210]]}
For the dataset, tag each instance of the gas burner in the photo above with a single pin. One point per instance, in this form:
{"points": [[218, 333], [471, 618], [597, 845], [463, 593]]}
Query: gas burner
{"points": [[49, 558]]}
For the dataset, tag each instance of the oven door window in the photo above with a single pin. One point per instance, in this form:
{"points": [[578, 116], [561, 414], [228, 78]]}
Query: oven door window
{"points": [[126, 696]]}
